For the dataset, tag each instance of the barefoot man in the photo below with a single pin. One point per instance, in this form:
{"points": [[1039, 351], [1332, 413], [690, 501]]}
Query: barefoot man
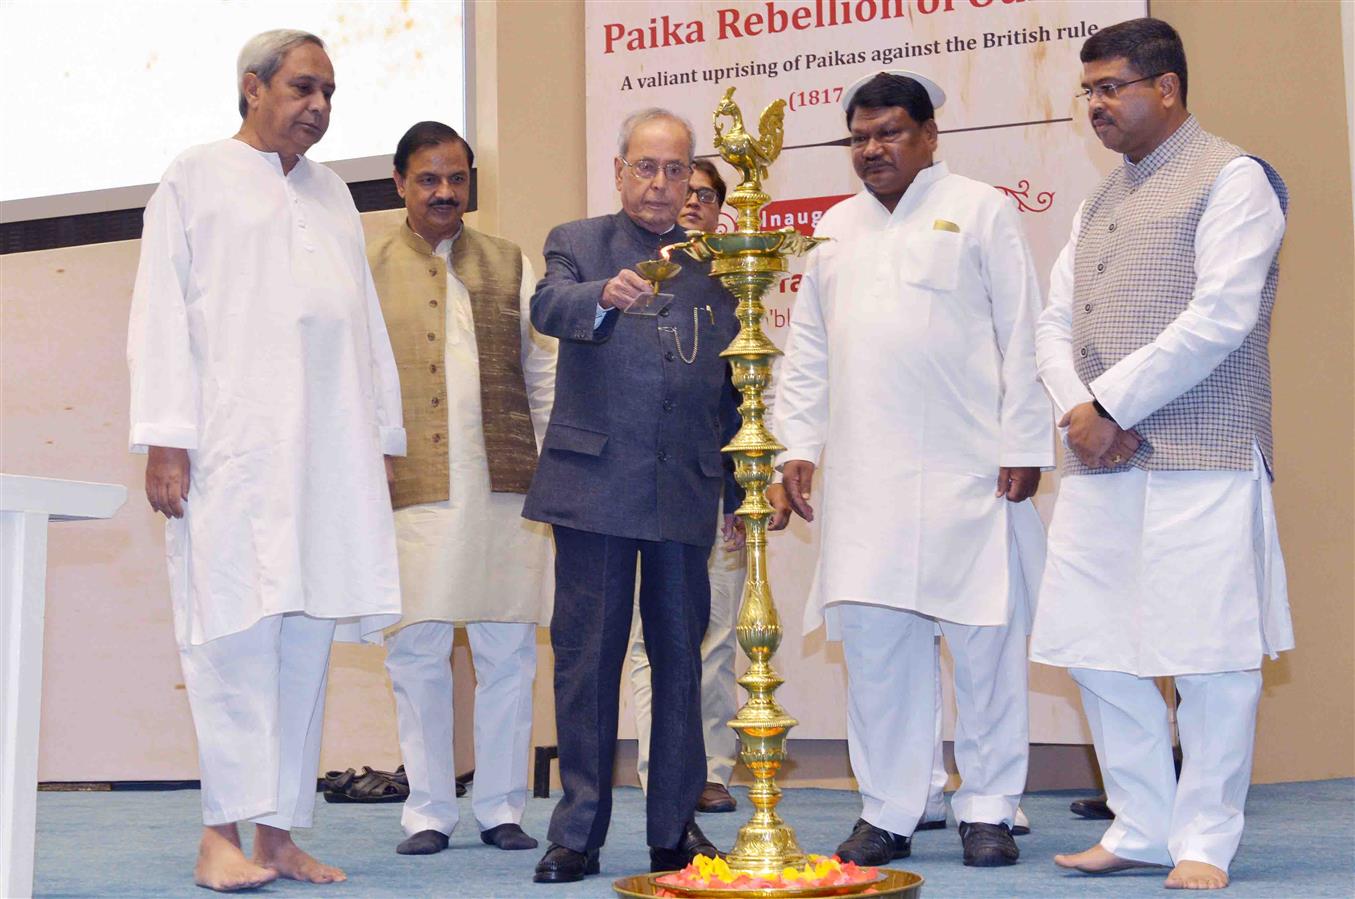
{"points": [[265, 393], [1163, 559]]}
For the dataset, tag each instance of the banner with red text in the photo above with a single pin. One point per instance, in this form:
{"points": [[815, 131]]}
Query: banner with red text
{"points": [[1010, 71]]}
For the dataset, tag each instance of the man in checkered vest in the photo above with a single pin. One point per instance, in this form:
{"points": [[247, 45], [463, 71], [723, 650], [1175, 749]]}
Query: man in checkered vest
{"points": [[1163, 556]]}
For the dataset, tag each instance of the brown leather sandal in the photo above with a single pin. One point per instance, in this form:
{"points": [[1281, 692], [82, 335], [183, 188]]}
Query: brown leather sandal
{"points": [[369, 786]]}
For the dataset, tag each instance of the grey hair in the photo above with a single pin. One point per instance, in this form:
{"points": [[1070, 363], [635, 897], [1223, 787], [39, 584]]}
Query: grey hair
{"points": [[636, 119], [263, 55]]}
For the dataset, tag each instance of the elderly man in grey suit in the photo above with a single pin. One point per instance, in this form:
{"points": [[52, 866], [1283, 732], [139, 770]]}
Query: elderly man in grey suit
{"points": [[631, 467]]}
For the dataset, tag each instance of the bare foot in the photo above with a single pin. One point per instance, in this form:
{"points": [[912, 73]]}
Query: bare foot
{"points": [[273, 848], [223, 867], [1099, 860], [1188, 875]]}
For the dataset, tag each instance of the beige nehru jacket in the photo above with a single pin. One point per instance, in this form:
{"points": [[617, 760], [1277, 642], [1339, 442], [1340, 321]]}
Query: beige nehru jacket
{"points": [[412, 283]]}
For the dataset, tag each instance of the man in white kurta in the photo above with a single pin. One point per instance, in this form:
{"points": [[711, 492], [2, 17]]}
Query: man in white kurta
{"points": [[467, 556], [1163, 555], [911, 363], [264, 389]]}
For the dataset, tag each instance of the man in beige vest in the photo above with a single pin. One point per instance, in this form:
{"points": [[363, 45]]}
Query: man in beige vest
{"points": [[477, 385]]}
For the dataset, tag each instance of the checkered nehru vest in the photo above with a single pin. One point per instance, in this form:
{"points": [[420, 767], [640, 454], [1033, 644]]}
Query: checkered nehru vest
{"points": [[1135, 273]]}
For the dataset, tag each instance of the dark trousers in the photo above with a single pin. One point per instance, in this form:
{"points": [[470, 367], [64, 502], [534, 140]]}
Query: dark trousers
{"points": [[590, 632]]}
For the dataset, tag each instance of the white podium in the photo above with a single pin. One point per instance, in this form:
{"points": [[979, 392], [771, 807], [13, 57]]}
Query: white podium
{"points": [[26, 505]]}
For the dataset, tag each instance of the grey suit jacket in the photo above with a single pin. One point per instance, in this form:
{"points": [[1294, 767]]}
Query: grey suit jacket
{"points": [[633, 446]]}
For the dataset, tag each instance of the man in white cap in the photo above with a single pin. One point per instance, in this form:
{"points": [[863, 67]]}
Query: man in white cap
{"points": [[915, 326]]}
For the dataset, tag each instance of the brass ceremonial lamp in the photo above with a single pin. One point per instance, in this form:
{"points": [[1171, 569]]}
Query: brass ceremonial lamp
{"points": [[748, 261]]}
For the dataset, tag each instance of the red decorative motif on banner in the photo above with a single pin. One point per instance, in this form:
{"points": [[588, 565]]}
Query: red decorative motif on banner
{"points": [[1021, 193], [802, 214]]}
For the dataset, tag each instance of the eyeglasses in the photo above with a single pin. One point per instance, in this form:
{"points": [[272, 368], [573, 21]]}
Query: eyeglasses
{"points": [[706, 196], [1109, 90], [648, 169]]}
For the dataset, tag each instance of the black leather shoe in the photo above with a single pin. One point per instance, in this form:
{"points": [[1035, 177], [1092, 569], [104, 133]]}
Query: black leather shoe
{"points": [[692, 844], [871, 846], [425, 842], [988, 845], [562, 865], [1094, 808], [507, 836], [1018, 830]]}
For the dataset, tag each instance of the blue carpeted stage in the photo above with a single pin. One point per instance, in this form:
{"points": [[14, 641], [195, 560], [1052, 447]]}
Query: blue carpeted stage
{"points": [[1298, 843]]}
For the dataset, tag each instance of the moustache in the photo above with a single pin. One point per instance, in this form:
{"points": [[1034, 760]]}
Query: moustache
{"points": [[439, 203], [1102, 120]]}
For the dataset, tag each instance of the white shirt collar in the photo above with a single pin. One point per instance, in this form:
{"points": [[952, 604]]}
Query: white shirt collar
{"points": [[444, 247], [930, 175], [921, 183], [272, 157]]}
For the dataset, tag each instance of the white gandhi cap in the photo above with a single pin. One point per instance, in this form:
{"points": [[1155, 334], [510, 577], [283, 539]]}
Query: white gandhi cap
{"points": [[934, 92]]}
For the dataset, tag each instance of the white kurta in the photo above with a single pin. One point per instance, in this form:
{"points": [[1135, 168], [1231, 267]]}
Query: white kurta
{"points": [[1168, 572], [256, 342], [474, 557], [911, 354]]}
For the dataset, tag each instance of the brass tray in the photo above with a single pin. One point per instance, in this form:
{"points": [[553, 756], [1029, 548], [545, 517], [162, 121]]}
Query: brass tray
{"points": [[889, 883]]}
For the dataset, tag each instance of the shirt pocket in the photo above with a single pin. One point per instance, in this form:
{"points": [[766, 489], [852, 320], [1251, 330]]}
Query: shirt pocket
{"points": [[931, 260]]}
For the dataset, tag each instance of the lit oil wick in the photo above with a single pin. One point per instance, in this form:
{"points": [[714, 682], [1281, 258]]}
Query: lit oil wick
{"points": [[656, 271]]}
